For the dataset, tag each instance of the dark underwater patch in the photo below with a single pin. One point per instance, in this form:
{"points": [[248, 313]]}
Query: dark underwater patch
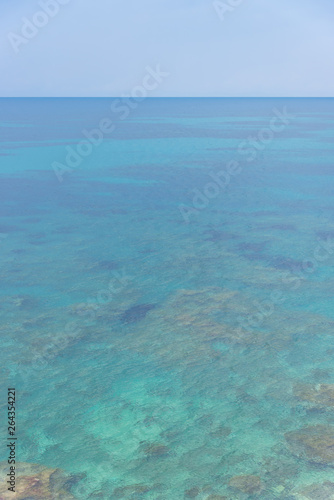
{"points": [[108, 265], [278, 262], [214, 235], [263, 213], [65, 230], [283, 227], [136, 313], [9, 229], [32, 220], [37, 236], [147, 252], [286, 263], [324, 235], [252, 247], [254, 256], [119, 211], [36, 242]]}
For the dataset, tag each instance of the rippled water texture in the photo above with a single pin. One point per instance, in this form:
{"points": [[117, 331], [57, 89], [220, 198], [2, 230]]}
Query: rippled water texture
{"points": [[167, 309]]}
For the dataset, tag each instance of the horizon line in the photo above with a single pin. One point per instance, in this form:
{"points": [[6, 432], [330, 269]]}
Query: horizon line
{"points": [[168, 97]]}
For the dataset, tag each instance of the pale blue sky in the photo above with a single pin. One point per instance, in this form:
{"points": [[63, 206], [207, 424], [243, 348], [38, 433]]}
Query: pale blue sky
{"points": [[102, 47]]}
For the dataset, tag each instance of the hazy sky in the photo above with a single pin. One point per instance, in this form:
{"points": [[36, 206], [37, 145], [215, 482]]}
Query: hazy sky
{"points": [[103, 47]]}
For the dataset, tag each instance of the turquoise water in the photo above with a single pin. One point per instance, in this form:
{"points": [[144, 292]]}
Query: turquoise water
{"points": [[164, 345]]}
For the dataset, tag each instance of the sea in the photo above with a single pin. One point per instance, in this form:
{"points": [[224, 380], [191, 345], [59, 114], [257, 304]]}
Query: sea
{"points": [[167, 278]]}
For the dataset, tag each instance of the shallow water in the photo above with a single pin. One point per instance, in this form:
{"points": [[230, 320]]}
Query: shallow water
{"points": [[159, 347]]}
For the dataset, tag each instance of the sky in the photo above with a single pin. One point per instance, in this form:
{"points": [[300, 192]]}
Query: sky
{"points": [[103, 48]]}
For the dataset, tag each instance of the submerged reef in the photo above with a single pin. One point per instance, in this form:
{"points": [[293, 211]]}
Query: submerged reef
{"points": [[136, 313], [246, 483], [319, 395], [313, 443], [36, 482], [324, 491]]}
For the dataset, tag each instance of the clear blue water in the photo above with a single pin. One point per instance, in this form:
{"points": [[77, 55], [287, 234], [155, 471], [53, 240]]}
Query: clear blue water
{"points": [[161, 345]]}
